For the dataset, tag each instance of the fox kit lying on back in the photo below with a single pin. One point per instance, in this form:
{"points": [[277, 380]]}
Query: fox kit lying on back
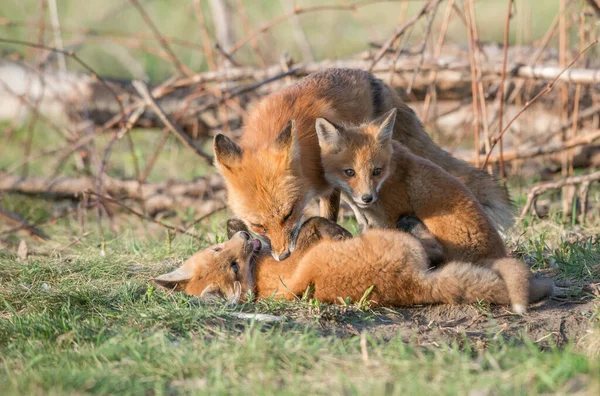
{"points": [[276, 170], [335, 266], [382, 181]]}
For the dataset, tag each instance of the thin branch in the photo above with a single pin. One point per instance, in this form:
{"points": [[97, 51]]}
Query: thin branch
{"points": [[23, 224], [144, 91], [399, 32], [300, 10], [163, 43], [555, 185], [143, 216], [423, 46], [535, 98], [502, 80]]}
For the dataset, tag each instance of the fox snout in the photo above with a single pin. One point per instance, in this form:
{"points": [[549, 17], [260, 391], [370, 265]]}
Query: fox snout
{"points": [[365, 200], [282, 248], [281, 256]]}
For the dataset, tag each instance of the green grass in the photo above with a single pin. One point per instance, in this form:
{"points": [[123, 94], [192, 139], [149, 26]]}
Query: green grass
{"points": [[75, 321]]}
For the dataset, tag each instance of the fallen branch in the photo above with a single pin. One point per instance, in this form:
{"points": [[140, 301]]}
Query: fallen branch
{"points": [[555, 185], [143, 90], [553, 148], [202, 195]]}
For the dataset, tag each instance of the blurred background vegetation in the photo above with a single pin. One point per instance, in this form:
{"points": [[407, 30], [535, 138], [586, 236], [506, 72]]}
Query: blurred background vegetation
{"points": [[111, 48]]}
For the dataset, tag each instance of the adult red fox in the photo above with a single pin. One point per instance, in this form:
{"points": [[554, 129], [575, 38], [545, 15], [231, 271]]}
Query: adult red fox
{"points": [[336, 266], [276, 169], [383, 181]]}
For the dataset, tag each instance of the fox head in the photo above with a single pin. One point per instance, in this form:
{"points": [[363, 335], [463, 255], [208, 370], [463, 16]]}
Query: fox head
{"points": [[223, 270], [357, 159], [265, 187], [227, 270]]}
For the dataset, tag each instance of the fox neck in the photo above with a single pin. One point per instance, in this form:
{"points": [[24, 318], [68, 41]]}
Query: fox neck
{"points": [[270, 273]]}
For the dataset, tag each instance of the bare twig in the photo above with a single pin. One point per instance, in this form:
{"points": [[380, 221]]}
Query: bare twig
{"points": [[180, 66], [474, 90], [206, 41], [58, 43], [302, 10], [207, 215], [143, 90], [552, 148], [502, 81], [431, 90], [399, 32], [23, 224], [143, 216], [74, 242], [555, 185], [535, 98], [423, 46], [299, 33]]}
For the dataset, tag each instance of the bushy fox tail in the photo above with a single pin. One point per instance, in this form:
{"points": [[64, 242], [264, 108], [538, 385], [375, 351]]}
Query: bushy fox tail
{"points": [[458, 282], [504, 282]]}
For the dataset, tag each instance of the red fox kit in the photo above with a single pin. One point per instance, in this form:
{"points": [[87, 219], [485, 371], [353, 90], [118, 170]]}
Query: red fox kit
{"points": [[382, 181], [336, 266], [276, 170]]}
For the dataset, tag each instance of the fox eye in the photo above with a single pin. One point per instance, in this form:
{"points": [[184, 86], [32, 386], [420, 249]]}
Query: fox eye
{"points": [[234, 266], [349, 172], [287, 216], [377, 172], [217, 249], [259, 228]]}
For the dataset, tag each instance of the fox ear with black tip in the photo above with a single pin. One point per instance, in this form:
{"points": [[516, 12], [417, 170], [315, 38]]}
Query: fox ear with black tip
{"points": [[227, 153], [330, 136], [385, 125]]}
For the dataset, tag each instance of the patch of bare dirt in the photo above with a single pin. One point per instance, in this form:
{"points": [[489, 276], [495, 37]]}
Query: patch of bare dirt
{"points": [[549, 322]]}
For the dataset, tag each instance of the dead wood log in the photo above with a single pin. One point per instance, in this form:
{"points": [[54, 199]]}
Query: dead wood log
{"points": [[587, 137], [203, 195], [583, 180], [76, 97]]}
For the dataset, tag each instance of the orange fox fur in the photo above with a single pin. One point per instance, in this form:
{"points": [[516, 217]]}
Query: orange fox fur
{"points": [[276, 170], [335, 265], [382, 181]]}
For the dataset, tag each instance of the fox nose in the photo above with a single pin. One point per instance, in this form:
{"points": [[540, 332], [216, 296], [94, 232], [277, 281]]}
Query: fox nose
{"points": [[367, 198], [284, 255], [244, 235]]}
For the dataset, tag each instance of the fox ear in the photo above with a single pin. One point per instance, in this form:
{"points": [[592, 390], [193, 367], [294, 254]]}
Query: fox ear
{"points": [[227, 153], [175, 280], [386, 126], [234, 225], [211, 292], [287, 138], [329, 135]]}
